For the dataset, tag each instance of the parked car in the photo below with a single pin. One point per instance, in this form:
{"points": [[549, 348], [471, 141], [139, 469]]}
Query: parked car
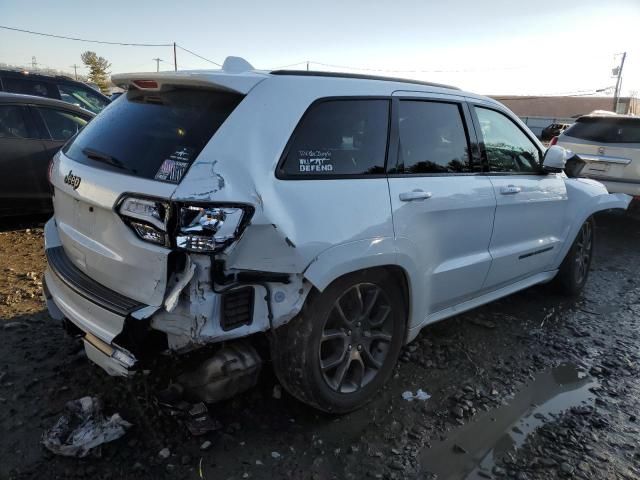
{"points": [[56, 87], [337, 214], [553, 130], [32, 130], [609, 144]]}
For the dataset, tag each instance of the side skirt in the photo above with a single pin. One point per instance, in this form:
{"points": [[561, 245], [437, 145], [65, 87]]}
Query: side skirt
{"points": [[541, 277]]}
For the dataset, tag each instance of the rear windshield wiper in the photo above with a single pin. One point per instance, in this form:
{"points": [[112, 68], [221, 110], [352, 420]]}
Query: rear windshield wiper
{"points": [[105, 158]]}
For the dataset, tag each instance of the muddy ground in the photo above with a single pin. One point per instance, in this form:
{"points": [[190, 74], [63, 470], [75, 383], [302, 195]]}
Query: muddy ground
{"points": [[534, 386]]}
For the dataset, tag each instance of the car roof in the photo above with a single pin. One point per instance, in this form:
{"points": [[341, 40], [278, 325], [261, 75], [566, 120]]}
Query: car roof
{"points": [[20, 98], [40, 76]]}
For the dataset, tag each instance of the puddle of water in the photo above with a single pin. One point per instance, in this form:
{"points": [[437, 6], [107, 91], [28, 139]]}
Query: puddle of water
{"points": [[496, 432]]}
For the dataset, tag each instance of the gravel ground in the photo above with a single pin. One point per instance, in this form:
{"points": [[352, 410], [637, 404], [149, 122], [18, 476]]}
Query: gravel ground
{"points": [[530, 387]]}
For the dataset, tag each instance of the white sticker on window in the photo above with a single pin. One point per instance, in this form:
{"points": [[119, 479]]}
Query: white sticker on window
{"points": [[315, 161]]}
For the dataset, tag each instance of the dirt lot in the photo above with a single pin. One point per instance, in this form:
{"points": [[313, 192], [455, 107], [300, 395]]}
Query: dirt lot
{"points": [[531, 387]]}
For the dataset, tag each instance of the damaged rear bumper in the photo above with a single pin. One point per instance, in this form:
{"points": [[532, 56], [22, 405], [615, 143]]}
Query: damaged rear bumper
{"points": [[98, 325]]}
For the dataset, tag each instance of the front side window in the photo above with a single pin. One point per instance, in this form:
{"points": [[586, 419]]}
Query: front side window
{"points": [[81, 97], [508, 148], [61, 125], [340, 137], [432, 138], [12, 122], [29, 87]]}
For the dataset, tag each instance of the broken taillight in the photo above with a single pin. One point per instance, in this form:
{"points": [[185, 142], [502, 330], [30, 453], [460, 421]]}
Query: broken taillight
{"points": [[210, 228]]}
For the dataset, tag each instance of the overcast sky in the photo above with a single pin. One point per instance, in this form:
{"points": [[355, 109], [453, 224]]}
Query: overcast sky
{"points": [[486, 46]]}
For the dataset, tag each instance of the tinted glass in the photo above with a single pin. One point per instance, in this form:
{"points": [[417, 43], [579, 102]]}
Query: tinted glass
{"points": [[29, 87], [82, 97], [432, 138], [12, 123], [154, 135], [508, 148], [340, 137], [606, 130], [61, 125]]}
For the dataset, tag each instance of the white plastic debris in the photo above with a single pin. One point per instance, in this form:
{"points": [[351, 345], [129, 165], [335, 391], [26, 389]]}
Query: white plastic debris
{"points": [[275, 455], [419, 395], [83, 427]]}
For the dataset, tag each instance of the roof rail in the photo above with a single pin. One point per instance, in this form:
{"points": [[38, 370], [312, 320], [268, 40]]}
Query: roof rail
{"points": [[315, 73]]}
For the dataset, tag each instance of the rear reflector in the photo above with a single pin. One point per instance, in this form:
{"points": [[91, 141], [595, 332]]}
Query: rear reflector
{"points": [[145, 84], [553, 141], [237, 308]]}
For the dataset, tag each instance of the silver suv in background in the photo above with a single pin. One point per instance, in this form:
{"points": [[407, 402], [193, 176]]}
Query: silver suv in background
{"points": [[609, 144]]}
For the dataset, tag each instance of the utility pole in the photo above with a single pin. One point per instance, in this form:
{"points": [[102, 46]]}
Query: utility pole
{"points": [[307, 65], [157, 60], [618, 72], [34, 64], [175, 59], [75, 70]]}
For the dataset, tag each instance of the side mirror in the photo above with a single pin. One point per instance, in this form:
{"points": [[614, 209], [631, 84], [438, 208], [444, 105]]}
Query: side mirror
{"points": [[555, 158]]}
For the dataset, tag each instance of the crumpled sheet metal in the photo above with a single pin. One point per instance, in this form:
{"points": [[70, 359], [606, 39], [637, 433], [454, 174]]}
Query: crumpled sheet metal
{"points": [[83, 427]]}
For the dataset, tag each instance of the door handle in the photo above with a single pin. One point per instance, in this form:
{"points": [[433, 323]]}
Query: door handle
{"points": [[510, 190], [414, 195]]}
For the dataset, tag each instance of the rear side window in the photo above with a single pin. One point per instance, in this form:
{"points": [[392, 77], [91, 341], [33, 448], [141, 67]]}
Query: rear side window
{"points": [[606, 130], [339, 137], [82, 97], [508, 149], [432, 138], [30, 87], [153, 135], [12, 122], [62, 125]]}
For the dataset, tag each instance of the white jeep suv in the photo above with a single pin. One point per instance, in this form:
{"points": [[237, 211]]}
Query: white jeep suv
{"points": [[335, 214]]}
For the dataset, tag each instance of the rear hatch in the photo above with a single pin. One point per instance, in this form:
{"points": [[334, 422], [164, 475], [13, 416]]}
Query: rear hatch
{"points": [[141, 146], [610, 146]]}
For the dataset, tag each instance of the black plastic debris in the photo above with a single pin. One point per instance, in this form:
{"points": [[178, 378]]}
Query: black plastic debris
{"points": [[82, 427]]}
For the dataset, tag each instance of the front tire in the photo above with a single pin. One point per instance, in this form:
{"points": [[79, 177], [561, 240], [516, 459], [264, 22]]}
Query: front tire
{"points": [[574, 269], [341, 349]]}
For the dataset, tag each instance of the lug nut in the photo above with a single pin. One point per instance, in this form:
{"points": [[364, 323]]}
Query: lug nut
{"points": [[359, 347], [349, 332], [358, 324], [349, 347]]}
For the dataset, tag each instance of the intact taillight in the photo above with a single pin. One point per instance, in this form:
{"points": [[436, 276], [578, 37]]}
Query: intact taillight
{"points": [[553, 141], [50, 170]]}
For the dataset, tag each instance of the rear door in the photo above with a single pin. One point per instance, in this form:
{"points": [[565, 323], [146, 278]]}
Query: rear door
{"points": [[20, 147], [442, 204], [528, 228]]}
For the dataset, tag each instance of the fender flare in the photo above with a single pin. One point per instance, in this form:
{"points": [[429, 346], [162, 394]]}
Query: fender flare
{"points": [[586, 197]]}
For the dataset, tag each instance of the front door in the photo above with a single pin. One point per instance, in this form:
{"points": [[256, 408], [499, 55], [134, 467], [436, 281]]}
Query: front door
{"points": [[442, 204], [530, 223]]}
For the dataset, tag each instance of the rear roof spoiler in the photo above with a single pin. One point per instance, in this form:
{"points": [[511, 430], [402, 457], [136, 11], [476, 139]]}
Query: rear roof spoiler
{"points": [[236, 75]]}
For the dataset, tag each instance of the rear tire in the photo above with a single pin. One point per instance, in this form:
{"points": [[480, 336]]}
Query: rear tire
{"points": [[574, 269], [342, 347]]}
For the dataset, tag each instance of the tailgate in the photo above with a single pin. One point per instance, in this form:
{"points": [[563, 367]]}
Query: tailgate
{"points": [[606, 160], [95, 238]]}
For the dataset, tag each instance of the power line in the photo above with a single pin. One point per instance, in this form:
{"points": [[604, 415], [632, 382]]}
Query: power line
{"points": [[199, 56], [414, 71], [86, 40]]}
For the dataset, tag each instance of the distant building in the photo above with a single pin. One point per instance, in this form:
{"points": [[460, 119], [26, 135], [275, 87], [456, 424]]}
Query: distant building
{"points": [[538, 112], [565, 106]]}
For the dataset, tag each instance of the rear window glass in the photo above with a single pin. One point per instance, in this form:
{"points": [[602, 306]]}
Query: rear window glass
{"points": [[606, 130], [340, 137], [30, 87], [154, 135]]}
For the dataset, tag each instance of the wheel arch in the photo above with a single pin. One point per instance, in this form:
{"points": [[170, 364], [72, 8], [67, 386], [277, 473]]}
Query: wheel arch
{"points": [[362, 255]]}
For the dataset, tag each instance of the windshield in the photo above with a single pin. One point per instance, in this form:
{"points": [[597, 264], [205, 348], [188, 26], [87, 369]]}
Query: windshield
{"points": [[154, 135], [606, 130]]}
